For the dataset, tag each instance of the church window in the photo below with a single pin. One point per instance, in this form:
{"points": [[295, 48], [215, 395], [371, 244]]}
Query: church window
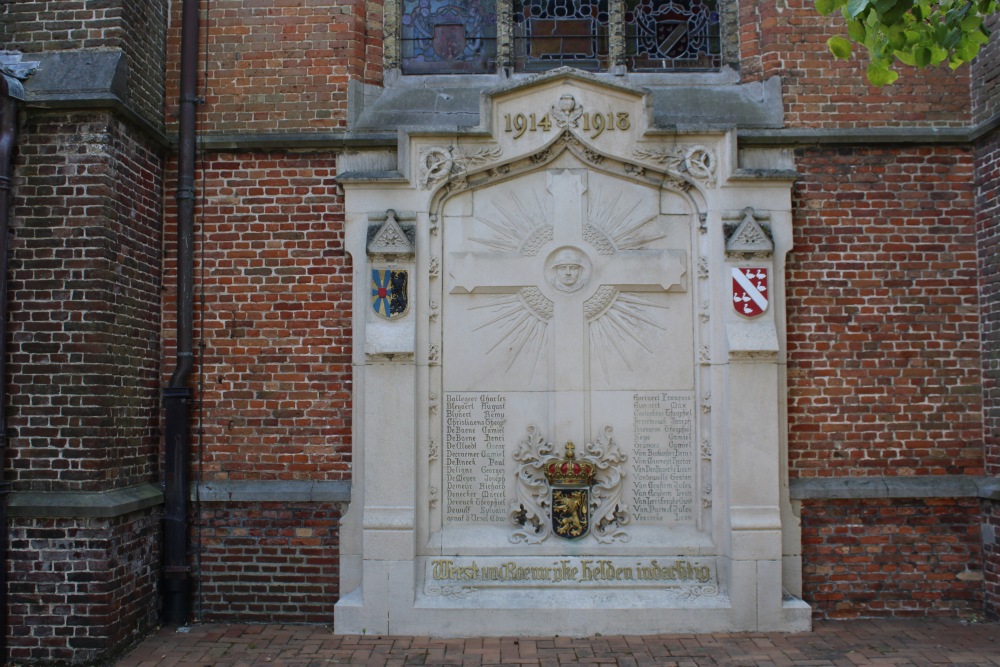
{"points": [[448, 36], [480, 36], [672, 34], [551, 33]]}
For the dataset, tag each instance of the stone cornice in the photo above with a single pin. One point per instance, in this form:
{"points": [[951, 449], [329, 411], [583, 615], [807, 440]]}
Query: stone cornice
{"points": [[891, 486]]}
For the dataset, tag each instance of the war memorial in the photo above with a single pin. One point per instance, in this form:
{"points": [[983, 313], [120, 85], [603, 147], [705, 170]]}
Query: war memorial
{"points": [[489, 319]]}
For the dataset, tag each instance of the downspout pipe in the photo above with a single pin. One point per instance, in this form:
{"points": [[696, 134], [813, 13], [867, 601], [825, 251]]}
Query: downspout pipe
{"points": [[11, 91], [177, 395]]}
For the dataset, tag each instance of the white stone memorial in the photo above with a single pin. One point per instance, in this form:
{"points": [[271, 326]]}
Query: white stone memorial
{"points": [[569, 378]]}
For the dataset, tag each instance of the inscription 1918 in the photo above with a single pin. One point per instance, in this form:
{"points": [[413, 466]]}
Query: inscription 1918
{"points": [[593, 123], [663, 478]]}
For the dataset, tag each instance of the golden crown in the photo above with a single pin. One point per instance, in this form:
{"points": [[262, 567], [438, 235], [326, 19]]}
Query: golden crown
{"points": [[568, 471]]}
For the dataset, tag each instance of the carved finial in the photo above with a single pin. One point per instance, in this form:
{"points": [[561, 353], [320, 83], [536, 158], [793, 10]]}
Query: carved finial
{"points": [[390, 238], [749, 236]]}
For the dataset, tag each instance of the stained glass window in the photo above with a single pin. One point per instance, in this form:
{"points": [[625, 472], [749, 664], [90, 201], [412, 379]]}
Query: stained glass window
{"points": [[552, 33], [448, 36], [672, 34]]}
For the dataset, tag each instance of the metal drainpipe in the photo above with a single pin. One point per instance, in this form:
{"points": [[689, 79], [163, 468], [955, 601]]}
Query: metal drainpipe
{"points": [[10, 92], [177, 395]]}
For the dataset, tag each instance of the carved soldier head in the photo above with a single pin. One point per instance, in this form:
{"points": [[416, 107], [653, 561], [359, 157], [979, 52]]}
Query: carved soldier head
{"points": [[567, 272]]}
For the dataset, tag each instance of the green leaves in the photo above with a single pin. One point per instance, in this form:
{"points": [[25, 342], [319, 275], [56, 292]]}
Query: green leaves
{"points": [[920, 33], [839, 47]]}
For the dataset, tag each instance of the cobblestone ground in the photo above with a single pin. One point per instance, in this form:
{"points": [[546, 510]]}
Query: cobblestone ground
{"points": [[847, 643]]}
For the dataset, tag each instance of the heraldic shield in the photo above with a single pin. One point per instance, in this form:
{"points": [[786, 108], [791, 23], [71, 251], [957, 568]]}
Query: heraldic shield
{"points": [[570, 481], [389, 293], [750, 291]]}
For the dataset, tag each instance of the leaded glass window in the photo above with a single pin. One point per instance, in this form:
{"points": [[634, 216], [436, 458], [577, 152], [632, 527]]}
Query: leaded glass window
{"points": [[448, 36], [552, 33], [672, 34], [481, 36]]}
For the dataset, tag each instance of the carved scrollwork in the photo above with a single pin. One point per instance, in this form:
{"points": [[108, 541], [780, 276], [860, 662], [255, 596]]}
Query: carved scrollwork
{"points": [[458, 592], [530, 512], [688, 162], [450, 162], [609, 512], [691, 591]]}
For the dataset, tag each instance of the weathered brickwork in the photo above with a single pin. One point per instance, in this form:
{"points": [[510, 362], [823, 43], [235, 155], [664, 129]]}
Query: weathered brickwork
{"points": [[268, 562], [137, 27], [281, 66], [988, 234], [883, 326], [991, 557], [84, 313], [986, 77], [820, 91], [892, 557], [276, 318], [81, 589]]}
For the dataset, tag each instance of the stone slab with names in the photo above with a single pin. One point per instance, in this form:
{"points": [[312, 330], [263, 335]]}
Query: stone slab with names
{"points": [[574, 428]]}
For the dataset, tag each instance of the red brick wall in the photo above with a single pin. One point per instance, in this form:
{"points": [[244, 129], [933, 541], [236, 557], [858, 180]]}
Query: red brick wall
{"points": [[991, 558], [81, 589], [892, 557], [84, 305], [281, 66], [883, 324], [986, 77], [820, 91], [269, 562], [138, 27], [988, 234], [276, 319]]}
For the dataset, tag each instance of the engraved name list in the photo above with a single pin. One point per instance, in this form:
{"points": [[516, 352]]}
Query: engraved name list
{"points": [[663, 464], [475, 479]]}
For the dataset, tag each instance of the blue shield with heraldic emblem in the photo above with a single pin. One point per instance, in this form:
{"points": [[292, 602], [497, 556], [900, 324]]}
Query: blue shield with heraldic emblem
{"points": [[389, 293]]}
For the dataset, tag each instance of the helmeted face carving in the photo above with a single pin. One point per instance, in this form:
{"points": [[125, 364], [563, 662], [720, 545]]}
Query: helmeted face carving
{"points": [[567, 271]]}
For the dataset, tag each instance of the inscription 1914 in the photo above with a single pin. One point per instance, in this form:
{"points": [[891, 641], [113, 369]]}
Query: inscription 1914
{"points": [[663, 477], [475, 488]]}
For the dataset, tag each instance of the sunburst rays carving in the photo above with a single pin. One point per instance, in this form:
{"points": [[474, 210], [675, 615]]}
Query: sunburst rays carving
{"points": [[517, 324], [521, 227]]}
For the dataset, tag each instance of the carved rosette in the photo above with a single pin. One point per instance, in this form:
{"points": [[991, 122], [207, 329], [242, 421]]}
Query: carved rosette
{"points": [[531, 511], [688, 163]]}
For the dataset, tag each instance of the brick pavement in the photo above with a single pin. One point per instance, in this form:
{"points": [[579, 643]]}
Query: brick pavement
{"points": [[883, 642]]}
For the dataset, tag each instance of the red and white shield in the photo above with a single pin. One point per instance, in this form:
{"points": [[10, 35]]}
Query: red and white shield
{"points": [[750, 291]]}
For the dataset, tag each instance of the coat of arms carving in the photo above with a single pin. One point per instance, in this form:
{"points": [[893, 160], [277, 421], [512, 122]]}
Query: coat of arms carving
{"points": [[569, 496]]}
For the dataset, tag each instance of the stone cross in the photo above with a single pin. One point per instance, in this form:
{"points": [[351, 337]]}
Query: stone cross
{"points": [[570, 273]]}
